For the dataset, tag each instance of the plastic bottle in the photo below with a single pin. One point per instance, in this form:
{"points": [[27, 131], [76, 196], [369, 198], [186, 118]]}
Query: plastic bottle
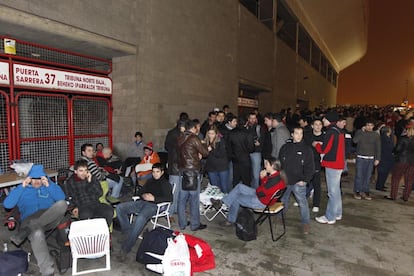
{"points": [[5, 248]]}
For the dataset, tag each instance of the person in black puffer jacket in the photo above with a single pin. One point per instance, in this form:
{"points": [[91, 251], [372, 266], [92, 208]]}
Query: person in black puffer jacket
{"points": [[297, 161]]}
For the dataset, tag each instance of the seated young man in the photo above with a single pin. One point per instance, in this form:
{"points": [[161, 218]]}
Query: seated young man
{"points": [[83, 191], [271, 180], [156, 190], [42, 206], [87, 154]]}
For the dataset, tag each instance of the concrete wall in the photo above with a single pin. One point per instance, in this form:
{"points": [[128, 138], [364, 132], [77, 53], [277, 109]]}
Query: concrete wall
{"points": [[190, 57]]}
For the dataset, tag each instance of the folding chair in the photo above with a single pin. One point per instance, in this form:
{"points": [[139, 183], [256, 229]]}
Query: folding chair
{"points": [[272, 210], [209, 212], [141, 168], [163, 210], [89, 239]]}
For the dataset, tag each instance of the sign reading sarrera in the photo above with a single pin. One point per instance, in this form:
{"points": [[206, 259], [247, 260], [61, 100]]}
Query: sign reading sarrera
{"points": [[41, 77]]}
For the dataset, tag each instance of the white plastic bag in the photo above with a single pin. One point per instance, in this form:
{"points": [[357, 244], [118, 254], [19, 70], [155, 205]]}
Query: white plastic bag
{"points": [[176, 259], [22, 169]]}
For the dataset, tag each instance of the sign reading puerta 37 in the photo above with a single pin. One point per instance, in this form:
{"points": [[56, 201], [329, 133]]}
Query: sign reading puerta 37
{"points": [[40, 77]]}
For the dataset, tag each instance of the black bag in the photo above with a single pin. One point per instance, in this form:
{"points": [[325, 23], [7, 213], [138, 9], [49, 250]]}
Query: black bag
{"points": [[246, 228], [13, 263], [154, 241], [190, 180], [59, 242]]}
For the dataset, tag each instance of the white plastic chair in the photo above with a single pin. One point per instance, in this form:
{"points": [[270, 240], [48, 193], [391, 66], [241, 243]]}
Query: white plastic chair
{"points": [[163, 210], [89, 239]]}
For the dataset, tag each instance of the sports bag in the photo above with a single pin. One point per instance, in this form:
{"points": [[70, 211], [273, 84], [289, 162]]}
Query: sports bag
{"points": [[246, 228], [153, 241]]}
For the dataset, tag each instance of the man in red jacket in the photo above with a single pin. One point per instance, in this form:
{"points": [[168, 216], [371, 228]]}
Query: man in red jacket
{"points": [[271, 180], [333, 151]]}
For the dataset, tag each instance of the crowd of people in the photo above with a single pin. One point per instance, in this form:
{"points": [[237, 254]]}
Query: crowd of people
{"points": [[247, 157]]}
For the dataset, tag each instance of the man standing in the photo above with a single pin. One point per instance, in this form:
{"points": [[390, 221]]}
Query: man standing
{"points": [[173, 171], [279, 134], [156, 190], [42, 206], [240, 145], [83, 191], [333, 150], [211, 120], [316, 135], [190, 150], [99, 173], [368, 155], [297, 161], [256, 156]]}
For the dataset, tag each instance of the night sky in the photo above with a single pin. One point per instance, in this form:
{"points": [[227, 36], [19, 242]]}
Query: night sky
{"points": [[380, 77]]}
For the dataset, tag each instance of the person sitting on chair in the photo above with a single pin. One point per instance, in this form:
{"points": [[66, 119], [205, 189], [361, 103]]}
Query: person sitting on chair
{"points": [[156, 190], [150, 157], [42, 206], [87, 154], [271, 180], [83, 191]]}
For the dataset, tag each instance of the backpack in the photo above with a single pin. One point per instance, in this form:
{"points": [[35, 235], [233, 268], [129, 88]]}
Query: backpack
{"points": [[246, 228], [154, 241], [60, 246]]}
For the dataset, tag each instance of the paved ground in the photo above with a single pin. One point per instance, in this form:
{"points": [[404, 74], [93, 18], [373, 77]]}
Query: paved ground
{"points": [[374, 238]]}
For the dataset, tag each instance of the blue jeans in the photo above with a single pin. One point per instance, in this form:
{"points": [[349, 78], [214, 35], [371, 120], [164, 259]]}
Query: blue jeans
{"points": [[177, 180], [256, 162], [241, 195], [363, 172], [300, 194], [333, 181], [194, 198], [116, 186], [221, 180], [144, 211]]}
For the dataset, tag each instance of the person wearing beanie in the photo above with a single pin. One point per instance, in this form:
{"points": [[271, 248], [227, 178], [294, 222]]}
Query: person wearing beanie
{"points": [[42, 206], [333, 150], [150, 157]]}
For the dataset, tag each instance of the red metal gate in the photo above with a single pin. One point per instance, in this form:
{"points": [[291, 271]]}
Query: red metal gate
{"points": [[5, 140]]}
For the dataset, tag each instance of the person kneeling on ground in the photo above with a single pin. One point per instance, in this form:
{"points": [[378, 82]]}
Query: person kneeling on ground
{"points": [[42, 206], [83, 191], [156, 190], [271, 180]]}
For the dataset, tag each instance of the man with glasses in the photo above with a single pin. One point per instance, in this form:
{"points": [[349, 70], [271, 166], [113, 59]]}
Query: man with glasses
{"points": [[42, 206]]}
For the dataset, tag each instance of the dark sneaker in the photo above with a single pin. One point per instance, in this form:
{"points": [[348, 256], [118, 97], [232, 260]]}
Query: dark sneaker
{"points": [[227, 223], [216, 203], [366, 196], [306, 229], [200, 227], [357, 196], [20, 236]]}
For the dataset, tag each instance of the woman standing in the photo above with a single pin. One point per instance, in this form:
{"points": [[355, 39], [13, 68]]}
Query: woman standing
{"points": [[217, 161], [387, 157], [404, 153]]}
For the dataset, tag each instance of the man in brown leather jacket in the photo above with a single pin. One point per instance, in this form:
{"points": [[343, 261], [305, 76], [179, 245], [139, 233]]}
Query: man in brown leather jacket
{"points": [[190, 150]]}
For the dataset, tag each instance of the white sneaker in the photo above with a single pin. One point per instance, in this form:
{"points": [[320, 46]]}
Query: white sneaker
{"points": [[338, 218], [315, 209], [324, 220], [295, 204]]}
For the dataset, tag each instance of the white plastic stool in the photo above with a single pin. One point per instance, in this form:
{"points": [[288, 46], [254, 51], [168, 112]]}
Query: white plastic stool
{"points": [[89, 239]]}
